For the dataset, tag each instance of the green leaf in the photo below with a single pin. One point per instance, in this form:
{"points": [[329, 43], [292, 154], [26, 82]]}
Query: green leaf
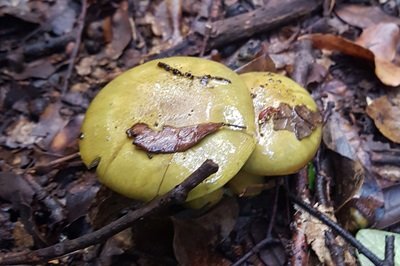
{"points": [[374, 240], [311, 176]]}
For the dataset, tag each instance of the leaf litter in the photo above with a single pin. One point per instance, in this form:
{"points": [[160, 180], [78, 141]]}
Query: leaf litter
{"points": [[40, 122]]}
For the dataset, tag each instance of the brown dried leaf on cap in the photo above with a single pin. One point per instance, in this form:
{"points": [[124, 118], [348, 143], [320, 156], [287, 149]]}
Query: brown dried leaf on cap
{"points": [[298, 119], [170, 139]]}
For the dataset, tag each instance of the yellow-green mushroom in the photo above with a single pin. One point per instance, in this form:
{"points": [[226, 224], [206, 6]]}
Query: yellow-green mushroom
{"points": [[288, 128], [137, 129]]}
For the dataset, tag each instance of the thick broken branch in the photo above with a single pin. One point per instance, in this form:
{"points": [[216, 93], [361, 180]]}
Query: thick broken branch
{"points": [[176, 195], [243, 26]]}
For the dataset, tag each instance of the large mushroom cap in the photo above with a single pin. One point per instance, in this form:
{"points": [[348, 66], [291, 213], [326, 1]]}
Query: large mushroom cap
{"points": [[281, 151], [175, 92]]}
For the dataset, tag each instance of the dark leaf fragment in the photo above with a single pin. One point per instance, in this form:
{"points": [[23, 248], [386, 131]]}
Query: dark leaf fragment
{"points": [[208, 230], [298, 119], [170, 139]]}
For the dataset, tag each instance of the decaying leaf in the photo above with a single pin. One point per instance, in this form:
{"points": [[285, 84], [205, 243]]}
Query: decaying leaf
{"points": [[262, 63], [208, 230], [391, 214], [121, 32], [298, 119], [382, 40], [40, 68], [376, 44], [349, 177], [66, 139], [336, 43], [251, 50], [21, 236], [315, 231], [386, 112], [363, 16], [358, 198], [170, 139]]}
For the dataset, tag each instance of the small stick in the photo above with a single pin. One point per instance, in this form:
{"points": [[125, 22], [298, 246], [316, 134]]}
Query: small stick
{"points": [[176, 195], [54, 163], [389, 251], [81, 22]]}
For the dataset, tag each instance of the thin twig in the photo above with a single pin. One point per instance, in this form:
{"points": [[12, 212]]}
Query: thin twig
{"points": [[51, 165], [338, 229], [177, 195], [81, 23]]}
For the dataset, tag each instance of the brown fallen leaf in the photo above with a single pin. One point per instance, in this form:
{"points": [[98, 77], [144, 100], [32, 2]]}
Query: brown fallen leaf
{"points": [[21, 236], [315, 231], [196, 240], [121, 32], [385, 112], [262, 63], [298, 119], [41, 69], [364, 16], [391, 214], [337, 43], [381, 39], [252, 49], [386, 70], [66, 139], [170, 139]]}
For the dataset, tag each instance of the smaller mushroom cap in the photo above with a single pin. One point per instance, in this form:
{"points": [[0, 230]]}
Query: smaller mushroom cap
{"points": [[279, 152]]}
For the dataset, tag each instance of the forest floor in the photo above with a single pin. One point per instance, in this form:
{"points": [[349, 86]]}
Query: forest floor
{"points": [[56, 55]]}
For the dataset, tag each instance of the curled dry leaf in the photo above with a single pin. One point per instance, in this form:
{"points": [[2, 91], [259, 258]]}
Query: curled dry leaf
{"points": [[170, 139], [262, 63], [298, 119], [377, 44], [364, 16], [391, 214], [337, 43], [386, 112], [245, 54], [121, 32]]}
